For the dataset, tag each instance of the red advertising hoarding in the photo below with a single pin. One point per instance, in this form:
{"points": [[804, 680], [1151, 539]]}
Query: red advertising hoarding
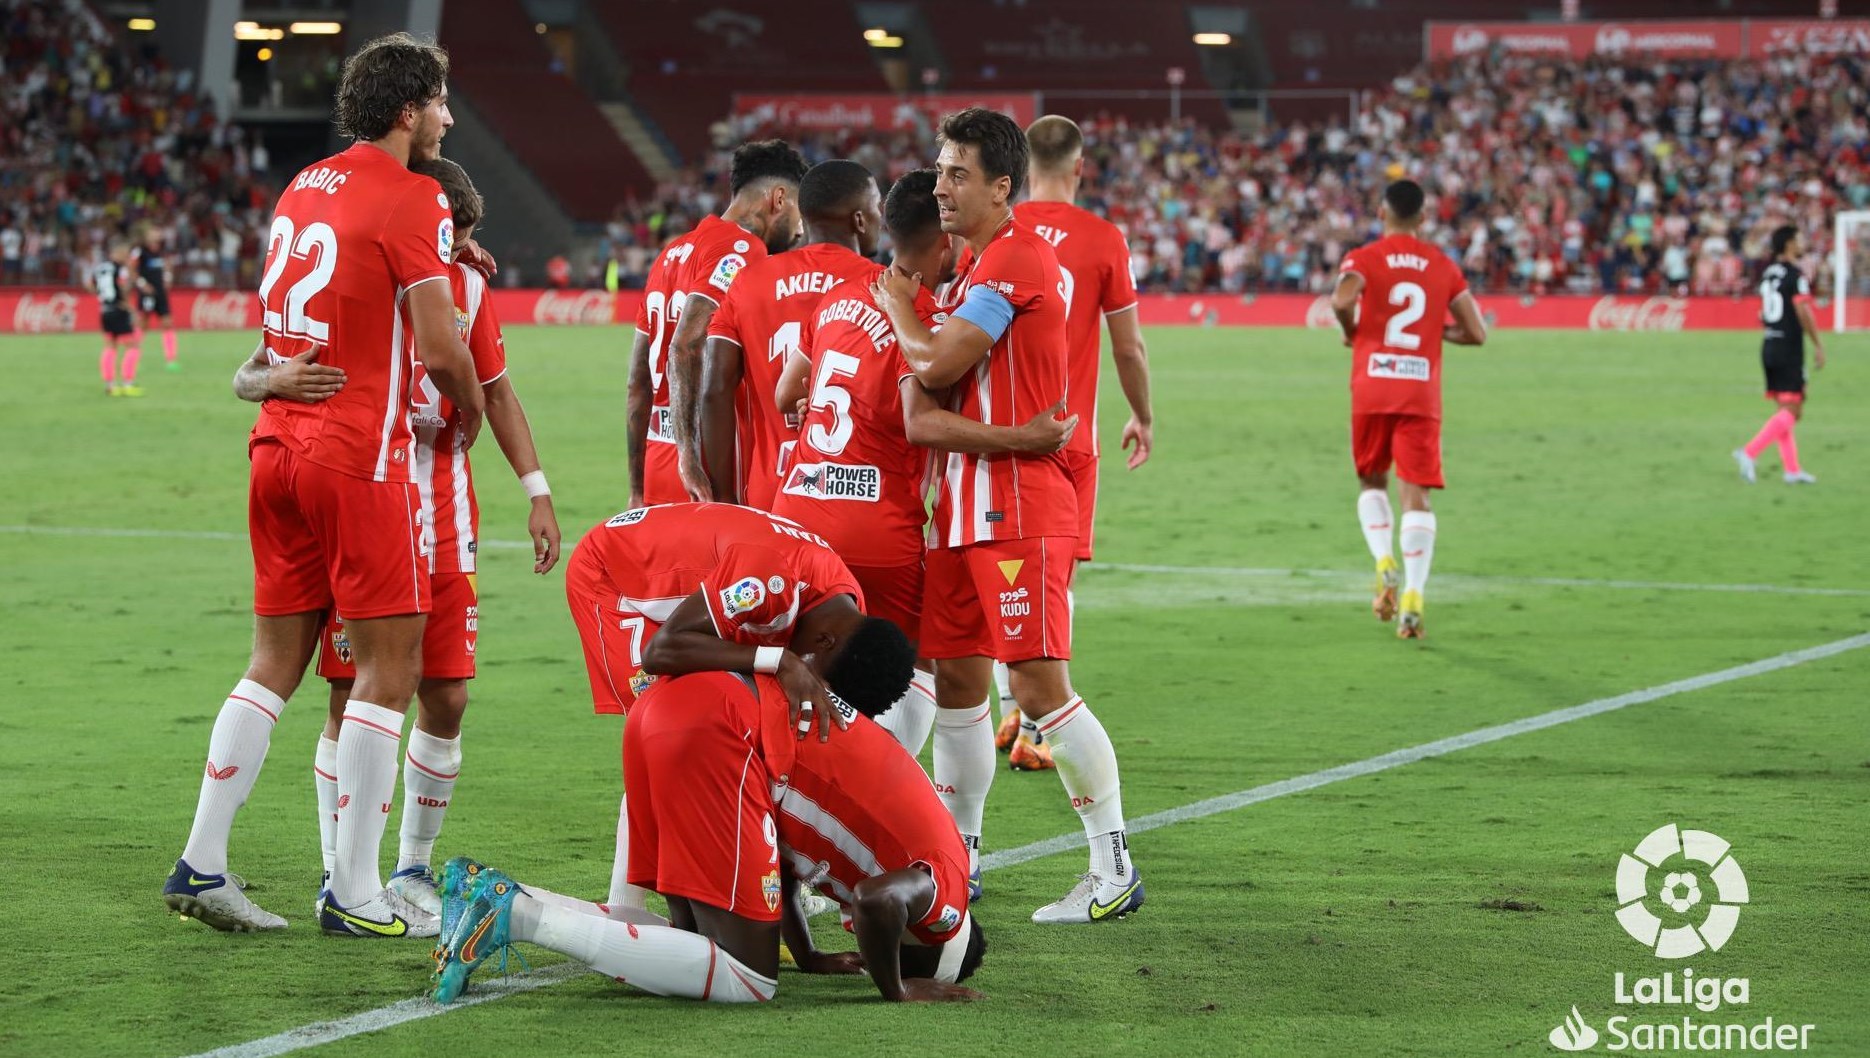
{"points": [[877, 110], [43, 310], [1724, 39]]}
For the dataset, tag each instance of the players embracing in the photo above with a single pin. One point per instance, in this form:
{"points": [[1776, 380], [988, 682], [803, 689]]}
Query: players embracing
{"points": [[1006, 528]]}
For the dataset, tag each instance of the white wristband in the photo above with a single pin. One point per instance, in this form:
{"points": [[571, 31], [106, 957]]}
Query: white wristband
{"points": [[534, 484], [766, 659]]}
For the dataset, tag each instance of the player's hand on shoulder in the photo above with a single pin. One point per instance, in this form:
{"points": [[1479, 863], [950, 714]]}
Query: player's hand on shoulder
{"points": [[841, 962], [808, 700], [695, 481], [304, 379], [894, 283], [475, 256], [928, 990]]}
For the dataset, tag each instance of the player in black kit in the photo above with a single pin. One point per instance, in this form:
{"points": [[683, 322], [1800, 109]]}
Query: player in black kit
{"points": [[1786, 312], [152, 284], [110, 281]]}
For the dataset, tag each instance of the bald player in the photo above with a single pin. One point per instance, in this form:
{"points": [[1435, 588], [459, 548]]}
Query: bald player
{"points": [[1094, 261]]}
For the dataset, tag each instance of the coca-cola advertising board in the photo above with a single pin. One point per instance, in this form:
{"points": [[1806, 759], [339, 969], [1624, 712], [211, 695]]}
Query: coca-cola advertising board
{"points": [[877, 110], [1717, 38], [54, 311]]}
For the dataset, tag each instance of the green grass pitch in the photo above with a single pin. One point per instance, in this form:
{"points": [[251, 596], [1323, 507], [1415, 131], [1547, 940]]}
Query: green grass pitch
{"points": [[1456, 906]]}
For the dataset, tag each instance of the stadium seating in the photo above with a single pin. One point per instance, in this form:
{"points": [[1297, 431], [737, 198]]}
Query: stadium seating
{"points": [[546, 119]]}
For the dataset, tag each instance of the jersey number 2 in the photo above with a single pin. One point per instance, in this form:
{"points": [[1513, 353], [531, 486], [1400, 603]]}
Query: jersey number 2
{"points": [[1414, 302]]}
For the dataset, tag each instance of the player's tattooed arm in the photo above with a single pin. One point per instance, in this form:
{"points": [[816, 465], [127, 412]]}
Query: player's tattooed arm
{"points": [[689, 643], [301, 378], [1344, 303], [640, 406], [938, 358], [513, 432], [880, 913], [798, 937], [1469, 328], [721, 371], [684, 393], [930, 425]]}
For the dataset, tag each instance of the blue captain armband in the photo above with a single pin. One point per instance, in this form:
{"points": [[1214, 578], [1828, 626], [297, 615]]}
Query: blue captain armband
{"points": [[986, 308]]}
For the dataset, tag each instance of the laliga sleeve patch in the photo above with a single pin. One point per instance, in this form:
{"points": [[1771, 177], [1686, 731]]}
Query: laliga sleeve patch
{"points": [[742, 596], [445, 239], [726, 270]]}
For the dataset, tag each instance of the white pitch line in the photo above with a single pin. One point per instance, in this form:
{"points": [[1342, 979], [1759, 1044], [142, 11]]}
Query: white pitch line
{"points": [[408, 1010], [1117, 567]]}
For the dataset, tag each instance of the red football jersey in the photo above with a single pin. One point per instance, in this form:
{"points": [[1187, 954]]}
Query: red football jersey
{"points": [[859, 806], [765, 315], [1396, 350], [1009, 497], [758, 572], [1094, 262], [450, 510], [705, 261], [854, 478], [350, 236]]}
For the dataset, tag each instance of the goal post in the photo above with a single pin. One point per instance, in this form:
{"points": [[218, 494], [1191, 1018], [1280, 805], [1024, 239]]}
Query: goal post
{"points": [[1850, 272]]}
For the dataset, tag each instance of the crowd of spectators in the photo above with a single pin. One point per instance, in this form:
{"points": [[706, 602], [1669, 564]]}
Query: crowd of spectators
{"points": [[1592, 177], [100, 140]]}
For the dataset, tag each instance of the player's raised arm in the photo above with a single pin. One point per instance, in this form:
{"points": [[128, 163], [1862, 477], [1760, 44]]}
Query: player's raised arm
{"points": [[930, 425], [450, 366], [1344, 302], [685, 395], [939, 358], [1132, 359], [1469, 327], [721, 372], [639, 404], [688, 642]]}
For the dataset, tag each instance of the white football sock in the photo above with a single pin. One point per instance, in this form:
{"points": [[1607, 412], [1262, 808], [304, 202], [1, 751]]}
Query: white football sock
{"points": [[624, 898], [964, 760], [642, 916], [1087, 764], [1003, 686], [367, 744], [656, 959], [236, 749], [1373, 513], [1029, 730], [325, 779], [1418, 548], [910, 719], [430, 766]]}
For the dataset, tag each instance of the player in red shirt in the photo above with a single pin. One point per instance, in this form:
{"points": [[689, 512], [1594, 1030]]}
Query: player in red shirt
{"points": [[1094, 261], [859, 474], [731, 815], [1392, 300], [1006, 527], [693, 587], [451, 512], [757, 329], [357, 262], [686, 283]]}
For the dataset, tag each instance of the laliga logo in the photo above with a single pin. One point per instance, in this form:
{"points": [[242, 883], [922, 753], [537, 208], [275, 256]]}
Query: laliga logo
{"points": [[1680, 891]]}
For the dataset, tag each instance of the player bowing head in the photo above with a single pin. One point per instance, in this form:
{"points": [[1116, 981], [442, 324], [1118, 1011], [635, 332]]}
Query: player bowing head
{"points": [[765, 180], [396, 82], [920, 242]]}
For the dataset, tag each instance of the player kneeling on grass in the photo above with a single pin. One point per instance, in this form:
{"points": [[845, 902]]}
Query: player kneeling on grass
{"points": [[730, 812], [452, 520], [772, 598]]}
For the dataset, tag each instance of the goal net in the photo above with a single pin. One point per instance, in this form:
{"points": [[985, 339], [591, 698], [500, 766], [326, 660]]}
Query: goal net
{"points": [[1850, 272]]}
